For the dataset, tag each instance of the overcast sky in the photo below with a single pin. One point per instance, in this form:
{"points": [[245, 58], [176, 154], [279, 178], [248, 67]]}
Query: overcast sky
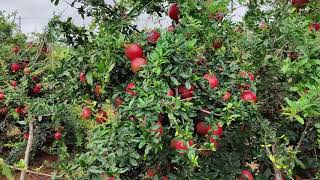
{"points": [[35, 14]]}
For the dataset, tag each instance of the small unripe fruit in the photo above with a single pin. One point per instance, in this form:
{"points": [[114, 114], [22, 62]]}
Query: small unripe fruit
{"points": [[118, 101], [14, 83], [217, 44], [25, 136], [101, 117], [15, 49], [151, 172], [82, 77], [129, 88], [170, 28]]}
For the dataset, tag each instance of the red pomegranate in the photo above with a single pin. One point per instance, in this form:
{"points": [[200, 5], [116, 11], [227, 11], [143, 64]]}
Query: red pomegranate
{"points": [[97, 90], [215, 142], [153, 36], [314, 27], [137, 64], [227, 96], [129, 88], [213, 81], [26, 136], [248, 95], [170, 92], [15, 49], [14, 83], [217, 44], [186, 93], [118, 101], [174, 12], [133, 51], [37, 88], [170, 28], [15, 67], [218, 131], [202, 128], [86, 113], [151, 172], [57, 136], [2, 96], [246, 175], [299, 3], [82, 77]]}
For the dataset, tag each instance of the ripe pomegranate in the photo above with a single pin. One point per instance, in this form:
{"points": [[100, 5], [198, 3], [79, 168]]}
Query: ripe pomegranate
{"points": [[314, 26], [133, 51], [1, 96], [151, 172], [180, 145], [101, 117], [86, 113], [14, 84], [299, 3], [246, 175], [215, 142], [137, 63], [18, 110], [165, 178], [174, 12], [153, 36], [170, 92], [248, 95], [171, 28], [15, 49], [217, 44], [186, 93], [37, 88], [111, 178], [26, 136], [129, 88], [118, 101], [15, 67], [218, 131], [3, 110], [82, 77], [244, 74], [227, 96], [57, 136], [213, 81], [97, 90], [202, 128]]}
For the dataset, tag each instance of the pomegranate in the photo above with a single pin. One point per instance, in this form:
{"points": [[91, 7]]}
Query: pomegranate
{"points": [[217, 44], [57, 136], [227, 96], [246, 175], [15, 49], [86, 113], [14, 84], [37, 88], [314, 27], [186, 93], [248, 95], [153, 36], [174, 12], [118, 101], [171, 28], [3, 110], [111, 178], [26, 70], [26, 136], [151, 172], [129, 88], [213, 81], [218, 131], [2, 96], [82, 77], [202, 128], [181, 145], [137, 63], [133, 51], [215, 142], [170, 92], [244, 74], [97, 90], [15, 67], [299, 3], [165, 178]]}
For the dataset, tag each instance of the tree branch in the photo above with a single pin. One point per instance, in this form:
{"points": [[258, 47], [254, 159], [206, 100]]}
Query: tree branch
{"points": [[28, 150], [303, 134]]}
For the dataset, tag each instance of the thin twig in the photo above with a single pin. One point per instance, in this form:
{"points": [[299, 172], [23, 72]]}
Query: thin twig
{"points": [[30, 171], [303, 134]]}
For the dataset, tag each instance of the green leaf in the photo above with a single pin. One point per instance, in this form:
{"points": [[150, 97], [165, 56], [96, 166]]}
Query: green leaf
{"points": [[299, 119], [89, 78], [174, 80], [133, 162]]}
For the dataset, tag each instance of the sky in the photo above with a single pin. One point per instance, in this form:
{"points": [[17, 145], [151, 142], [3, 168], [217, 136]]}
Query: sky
{"points": [[35, 14]]}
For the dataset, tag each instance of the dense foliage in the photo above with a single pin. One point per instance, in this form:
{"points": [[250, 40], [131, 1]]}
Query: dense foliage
{"points": [[206, 98]]}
